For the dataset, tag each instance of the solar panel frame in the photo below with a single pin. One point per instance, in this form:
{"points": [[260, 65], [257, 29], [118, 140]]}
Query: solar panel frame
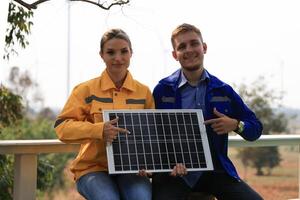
{"points": [[136, 161]]}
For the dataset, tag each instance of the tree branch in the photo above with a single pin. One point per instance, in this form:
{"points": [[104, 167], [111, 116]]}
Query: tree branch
{"points": [[32, 5], [120, 2]]}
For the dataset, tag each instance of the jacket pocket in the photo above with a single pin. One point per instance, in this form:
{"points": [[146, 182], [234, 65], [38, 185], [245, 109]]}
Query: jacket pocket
{"points": [[97, 111], [222, 104]]}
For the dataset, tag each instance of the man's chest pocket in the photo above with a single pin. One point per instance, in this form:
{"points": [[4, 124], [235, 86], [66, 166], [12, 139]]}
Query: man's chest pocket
{"points": [[222, 104], [135, 103]]}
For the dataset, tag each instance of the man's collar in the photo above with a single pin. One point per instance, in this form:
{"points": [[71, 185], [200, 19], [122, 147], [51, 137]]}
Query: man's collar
{"points": [[183, 79]]}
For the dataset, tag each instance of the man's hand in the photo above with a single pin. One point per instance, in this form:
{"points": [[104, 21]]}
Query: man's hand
{"points": [[179, 170], [110, 131], [144, 173], [222, 124]]}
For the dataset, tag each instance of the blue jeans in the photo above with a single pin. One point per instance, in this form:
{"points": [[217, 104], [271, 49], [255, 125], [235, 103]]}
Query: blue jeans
{"points": [[101, 185]]}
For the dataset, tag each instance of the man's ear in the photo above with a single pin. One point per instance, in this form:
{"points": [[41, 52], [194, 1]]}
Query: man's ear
{"points": [[174, 55], [204, 47]]}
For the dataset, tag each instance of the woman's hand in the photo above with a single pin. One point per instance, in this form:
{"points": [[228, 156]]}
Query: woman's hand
{"points": [[110, 131], [179, 170]]}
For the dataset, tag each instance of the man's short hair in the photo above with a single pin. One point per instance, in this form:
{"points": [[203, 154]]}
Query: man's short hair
{"points": [[184, 28]]}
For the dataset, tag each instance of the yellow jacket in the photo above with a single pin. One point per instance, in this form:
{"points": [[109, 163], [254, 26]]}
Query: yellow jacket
{"points": [[81, 119]]}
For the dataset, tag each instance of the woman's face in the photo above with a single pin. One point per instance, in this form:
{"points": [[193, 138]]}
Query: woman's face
{"points": [[116, 54]]}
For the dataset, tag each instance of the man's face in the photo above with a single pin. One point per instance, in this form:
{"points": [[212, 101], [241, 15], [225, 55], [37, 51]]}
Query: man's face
{"points": [[189, 50]]}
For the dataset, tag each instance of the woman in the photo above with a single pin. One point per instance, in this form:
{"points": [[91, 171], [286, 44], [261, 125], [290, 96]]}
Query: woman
{"points": [[81, 121]]}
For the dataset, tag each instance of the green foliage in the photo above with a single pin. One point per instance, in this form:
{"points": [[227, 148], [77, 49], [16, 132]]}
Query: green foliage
{"points": [[272, 160], [10, 112], [6, 177], [10, 107], [263, 101], [29, 129], [19, 27], [45, 173], [50, 166], [16, 126], [59, 162]]}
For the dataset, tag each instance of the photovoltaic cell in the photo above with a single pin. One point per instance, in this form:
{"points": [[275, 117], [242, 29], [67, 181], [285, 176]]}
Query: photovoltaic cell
{"points": [[158, 140]]}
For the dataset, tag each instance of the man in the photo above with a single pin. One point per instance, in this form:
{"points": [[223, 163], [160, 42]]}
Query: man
{"points": [[193, 87]]}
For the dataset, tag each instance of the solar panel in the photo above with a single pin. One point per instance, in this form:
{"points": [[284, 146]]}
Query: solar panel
{"points": [[158, 140]]}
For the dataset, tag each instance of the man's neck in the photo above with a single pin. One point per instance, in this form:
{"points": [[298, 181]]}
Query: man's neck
{"points": [[193, 77]]}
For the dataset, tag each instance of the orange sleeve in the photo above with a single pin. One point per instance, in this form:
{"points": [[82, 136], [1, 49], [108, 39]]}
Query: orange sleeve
{"points": [[73, 124]]}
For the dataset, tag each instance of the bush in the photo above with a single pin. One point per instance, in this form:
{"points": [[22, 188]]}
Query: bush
{"points": [[50, 166]]}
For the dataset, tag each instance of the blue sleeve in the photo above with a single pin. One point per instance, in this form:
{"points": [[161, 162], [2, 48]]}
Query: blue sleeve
{"points": [[157, 96], [253, 127]]}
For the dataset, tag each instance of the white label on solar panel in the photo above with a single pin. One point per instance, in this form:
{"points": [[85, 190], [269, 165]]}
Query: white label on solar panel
{"points": [[159, 139]]}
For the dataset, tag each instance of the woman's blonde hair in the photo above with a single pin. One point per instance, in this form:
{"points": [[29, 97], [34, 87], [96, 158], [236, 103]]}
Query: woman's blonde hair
{"points": [[114, 33]]}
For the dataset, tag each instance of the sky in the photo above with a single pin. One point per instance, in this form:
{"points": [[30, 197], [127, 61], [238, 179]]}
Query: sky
{"points": [[246, 39]]}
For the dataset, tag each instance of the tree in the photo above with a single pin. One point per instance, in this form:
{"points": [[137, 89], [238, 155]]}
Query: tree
{"points": [[47, 113], [106, 5], [20, 16], [21, 83], [263, 102], [10, 112], [19, 21], [11, 108]]}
